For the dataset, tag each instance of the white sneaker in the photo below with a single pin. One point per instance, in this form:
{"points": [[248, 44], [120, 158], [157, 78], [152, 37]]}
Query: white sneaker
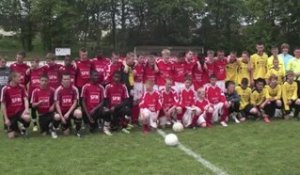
{"points": [[124, 130], [107, 131], [35, 128], [224, 124], [54, 135], [235, 119]]}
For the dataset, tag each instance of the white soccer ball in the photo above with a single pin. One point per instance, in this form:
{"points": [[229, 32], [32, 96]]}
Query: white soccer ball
{"points": [[171, 140], [178, 127]]}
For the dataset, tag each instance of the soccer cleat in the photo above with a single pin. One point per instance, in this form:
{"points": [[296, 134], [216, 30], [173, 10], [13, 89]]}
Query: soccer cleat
{"points": [[266, 120], [107, 131], [153, 124], [124, 130], [224, 124], [54, 135], [35, 128], [78, 134], [129, 126], [235, 119]]}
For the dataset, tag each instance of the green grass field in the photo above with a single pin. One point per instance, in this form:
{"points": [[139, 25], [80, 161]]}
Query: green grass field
{"points": [[248, 148]]}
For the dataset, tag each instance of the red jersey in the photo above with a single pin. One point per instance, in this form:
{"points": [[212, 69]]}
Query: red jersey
{"points": [[179, 69], [53, 74], [187, 97], [138, 71], [70, 69], [66, 97], [149, 73], [92, 95], [13, 97], [34, 78], [46, 95], [112, 68], [115, 93], [83, 69], [203, 104], [165, 71], [214, 94], [101, 65], [168, 99], [21, 69], [220, 69], [200, 76], [210, 68], [151, 101], [189, 66]]}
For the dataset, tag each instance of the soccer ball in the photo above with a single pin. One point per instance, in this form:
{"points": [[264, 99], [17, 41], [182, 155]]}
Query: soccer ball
{"points": [[177, 127], [77, 113], [171, 140]]}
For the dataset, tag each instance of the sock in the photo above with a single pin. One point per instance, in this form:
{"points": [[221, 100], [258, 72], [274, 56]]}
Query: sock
{"points": [[77, 124]]}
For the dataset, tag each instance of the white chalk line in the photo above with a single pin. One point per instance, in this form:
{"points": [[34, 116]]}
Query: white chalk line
{"points": [[197, 157]]}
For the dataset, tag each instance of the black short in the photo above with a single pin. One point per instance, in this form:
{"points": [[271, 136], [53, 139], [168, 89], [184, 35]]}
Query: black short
{"points": [[45, 120], [247, 109], [14, 122], [68, 123]]}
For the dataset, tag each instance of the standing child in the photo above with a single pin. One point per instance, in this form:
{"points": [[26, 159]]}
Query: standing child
{"points": [[220, 69], [289, 95], [244, 68], [277, 71], [149, 107]]}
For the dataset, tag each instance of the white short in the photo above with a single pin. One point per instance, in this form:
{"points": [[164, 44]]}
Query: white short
{"points": [[178, 86], [217, 111], [201, 118], [138, 90], [150, 116], [188, 116], [221, 85]]}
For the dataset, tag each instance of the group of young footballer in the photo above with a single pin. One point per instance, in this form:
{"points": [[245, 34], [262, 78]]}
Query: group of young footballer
{"points": [[148, 90]]}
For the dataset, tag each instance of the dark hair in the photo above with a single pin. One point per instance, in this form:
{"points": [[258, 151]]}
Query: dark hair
{"points": [[260, 80], [245, 81], [66, 74], [44, 76], [228, 83], [22, 53], [212, 76], [181, 54], [259, 43], [188, 77], [82, 49]]}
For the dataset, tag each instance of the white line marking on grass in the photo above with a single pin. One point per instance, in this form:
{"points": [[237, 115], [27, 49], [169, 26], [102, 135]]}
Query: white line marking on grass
{"points": [[196, 156]]}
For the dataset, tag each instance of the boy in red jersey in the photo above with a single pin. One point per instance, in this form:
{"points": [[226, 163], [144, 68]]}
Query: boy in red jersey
{"points": [[164, 68], [14, 105], [200, 74], [149, 107], [92, 101], [169, 101], [52, 70], [204, 110], [43, 100], [138, 73], [34, 73], [190, 61], [185, 109], [209, 62], [220, 69], [100, 64], [20, 67], [115, 66], [116, 102], [66, 98], [68, 68], [83, 68], [151, 70], [179, 68], [216, 97]]}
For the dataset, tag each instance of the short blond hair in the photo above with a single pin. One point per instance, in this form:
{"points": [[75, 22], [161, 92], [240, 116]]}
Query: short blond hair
{"points": [[165, 51]]}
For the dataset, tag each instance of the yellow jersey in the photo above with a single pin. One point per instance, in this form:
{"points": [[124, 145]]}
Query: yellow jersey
{"points": [[257, 98], [274, 93], [231, 71], [279, 73], [244, 95], [260, 65], [242, 71], [280, 61], [289, 92]]}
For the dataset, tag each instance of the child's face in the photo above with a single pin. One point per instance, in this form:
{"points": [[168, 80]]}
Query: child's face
{"points": [[19, 58], [188, 83], [117, 78], [168, 84], [290, 77], [44, 81], [276, 63], [210, 55], [274, 81], [151, 60], [35, 64], [275, 52], [245, 57], [231, 88], [213, 81], [201, 94], [259, 86], [149, 87], [244, 86], [141, 59]]}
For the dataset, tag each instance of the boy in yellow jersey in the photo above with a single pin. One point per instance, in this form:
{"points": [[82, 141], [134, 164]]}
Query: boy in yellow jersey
{"points": [[231, 67], [259, 98], [259, 62], [274, 96], [294, 65], [274, 55], [276, 70], [289, 95], [244, 68], [244, 92]]}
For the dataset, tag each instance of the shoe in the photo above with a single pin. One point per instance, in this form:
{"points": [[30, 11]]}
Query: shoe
{"points": [[235, 119], [153, 124], [124, 130], [35, 128], [203, 125], [266, 120], [129, 126], [78, 134], [54, 135], [224, 124], [107, 131], [242, 119]]}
